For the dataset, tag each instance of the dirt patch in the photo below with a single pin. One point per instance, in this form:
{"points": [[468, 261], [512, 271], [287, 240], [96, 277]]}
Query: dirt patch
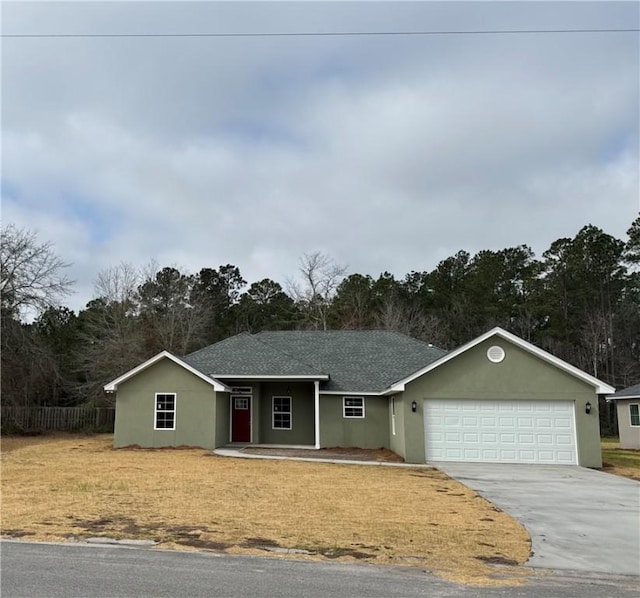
{"points": [[622, 470], [126, 527], [74, 488], [16, 533], [340, 552], [259, 543], [497, 560]]}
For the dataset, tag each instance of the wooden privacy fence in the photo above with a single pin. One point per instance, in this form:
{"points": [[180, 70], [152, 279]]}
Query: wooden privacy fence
{"points": [[47, 419]]}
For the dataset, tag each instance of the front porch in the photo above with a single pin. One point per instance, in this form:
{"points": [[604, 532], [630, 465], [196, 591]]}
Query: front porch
{"points": [[274, 413]]}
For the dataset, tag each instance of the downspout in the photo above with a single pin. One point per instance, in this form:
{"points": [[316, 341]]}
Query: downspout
{"points": [[316, 405]]}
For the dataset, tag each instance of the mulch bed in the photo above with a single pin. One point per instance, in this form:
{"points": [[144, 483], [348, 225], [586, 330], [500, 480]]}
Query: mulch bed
{"points": [[337, 453]]}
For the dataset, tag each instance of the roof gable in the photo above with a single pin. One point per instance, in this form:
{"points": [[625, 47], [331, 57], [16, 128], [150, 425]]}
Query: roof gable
{"points": [[600, 387], [113, 385]]}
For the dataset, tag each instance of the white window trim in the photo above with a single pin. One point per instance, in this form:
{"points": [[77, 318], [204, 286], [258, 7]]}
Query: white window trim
{"points": [[273, 413], [393, 415], [344, 407], [155, 411], [630, 419]]}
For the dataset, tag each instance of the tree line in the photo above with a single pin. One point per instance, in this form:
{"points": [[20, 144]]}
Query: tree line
{"points": [[580, 300]]}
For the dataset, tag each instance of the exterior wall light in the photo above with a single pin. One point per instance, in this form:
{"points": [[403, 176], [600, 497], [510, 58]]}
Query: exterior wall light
{"points": [[587, 408], [414, 406]]}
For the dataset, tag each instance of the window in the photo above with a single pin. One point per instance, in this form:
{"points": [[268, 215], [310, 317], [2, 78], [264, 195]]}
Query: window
{"points": [[240, 403], [282, 413], [634, 412], [353, 407], [165, 414]]}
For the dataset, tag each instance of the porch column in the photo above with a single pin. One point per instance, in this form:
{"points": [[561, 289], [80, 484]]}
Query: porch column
{"points": [[316, 405]]}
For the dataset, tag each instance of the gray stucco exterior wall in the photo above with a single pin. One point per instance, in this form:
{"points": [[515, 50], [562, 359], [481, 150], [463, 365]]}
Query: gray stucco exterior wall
{"points": [[223, 415], [629, 435], [302, 430], [520, 376], [372, 431], [195, 415], [397, 440]]}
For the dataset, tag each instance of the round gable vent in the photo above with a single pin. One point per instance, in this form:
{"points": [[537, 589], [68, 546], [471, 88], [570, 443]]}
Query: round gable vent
{"points": [[495, 354]]}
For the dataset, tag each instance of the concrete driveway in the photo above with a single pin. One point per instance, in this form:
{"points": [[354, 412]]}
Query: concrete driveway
{"points": [[578, 518]]}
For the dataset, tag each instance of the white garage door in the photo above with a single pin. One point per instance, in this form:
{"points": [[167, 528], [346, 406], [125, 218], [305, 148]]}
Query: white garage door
{"points": [[500, 431]]}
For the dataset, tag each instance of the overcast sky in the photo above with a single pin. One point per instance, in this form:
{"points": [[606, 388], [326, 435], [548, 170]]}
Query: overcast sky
{"points": [[385, 152]]}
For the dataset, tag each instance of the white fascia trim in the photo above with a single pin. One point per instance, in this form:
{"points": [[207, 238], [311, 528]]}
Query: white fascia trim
{"points": [[217, 385], [600, 386], [632, 397], [252, 377]]}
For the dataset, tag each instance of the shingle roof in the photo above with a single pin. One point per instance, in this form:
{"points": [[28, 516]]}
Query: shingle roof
{"points": [[631, 393], [355, 360], [245, 355]]}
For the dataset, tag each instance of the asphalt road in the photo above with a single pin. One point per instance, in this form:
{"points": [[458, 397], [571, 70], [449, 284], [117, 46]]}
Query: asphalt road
{"points": [[33, 570]]}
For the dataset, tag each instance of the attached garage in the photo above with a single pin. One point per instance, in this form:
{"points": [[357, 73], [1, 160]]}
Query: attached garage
{"points": [[500, 431], [499, 399]]}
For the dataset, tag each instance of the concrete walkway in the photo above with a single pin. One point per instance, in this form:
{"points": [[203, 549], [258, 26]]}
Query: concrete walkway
{"points": [[579, 519], [237, 452]]}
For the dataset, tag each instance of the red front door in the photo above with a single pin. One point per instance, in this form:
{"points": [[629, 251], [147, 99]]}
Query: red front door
{"points": [[241, 419]]}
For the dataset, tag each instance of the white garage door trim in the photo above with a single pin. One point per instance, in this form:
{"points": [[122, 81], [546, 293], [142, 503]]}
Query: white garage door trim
{"points": [[500, 431]]}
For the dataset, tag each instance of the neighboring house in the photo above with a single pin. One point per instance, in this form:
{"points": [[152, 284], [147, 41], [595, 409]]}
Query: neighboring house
{"points": [[496, 399], [628, 410]]}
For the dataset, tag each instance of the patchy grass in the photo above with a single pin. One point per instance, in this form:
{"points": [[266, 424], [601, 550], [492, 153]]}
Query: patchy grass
{"points": [[70, 487], [622, 462]]}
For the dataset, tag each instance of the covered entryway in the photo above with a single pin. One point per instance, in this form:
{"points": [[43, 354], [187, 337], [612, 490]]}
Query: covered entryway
{"points": [[500, 431]]}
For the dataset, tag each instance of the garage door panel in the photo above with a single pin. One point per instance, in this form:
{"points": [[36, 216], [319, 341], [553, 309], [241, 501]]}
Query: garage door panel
{"points": [[500, 431]]}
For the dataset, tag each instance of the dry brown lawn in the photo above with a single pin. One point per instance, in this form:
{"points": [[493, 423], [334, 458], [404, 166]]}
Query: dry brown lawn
{"points": [[622, 462], [70, 487]]}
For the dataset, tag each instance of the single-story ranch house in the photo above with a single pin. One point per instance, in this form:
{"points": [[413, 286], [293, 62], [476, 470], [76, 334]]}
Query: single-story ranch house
{"points": [[628, 410], [496, 399]]}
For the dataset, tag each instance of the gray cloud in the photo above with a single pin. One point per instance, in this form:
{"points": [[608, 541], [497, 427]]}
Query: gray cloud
{"points": [[388, 153]]}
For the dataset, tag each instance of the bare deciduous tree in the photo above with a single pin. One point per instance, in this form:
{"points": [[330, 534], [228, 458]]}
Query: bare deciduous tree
{"points": [[320, 277], [410, 319], [118, 284], [31, 274], [112, 339]]}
